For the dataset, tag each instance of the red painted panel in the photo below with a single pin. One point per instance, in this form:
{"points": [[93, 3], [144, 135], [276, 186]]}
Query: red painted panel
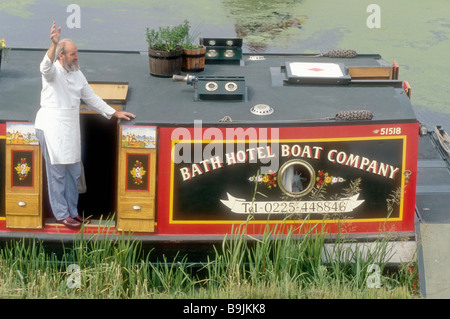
{"points": [[3, 130], [405, 135]]}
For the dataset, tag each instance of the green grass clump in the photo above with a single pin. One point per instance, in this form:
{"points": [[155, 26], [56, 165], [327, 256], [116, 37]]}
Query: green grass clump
{"points": [[245, 266]]}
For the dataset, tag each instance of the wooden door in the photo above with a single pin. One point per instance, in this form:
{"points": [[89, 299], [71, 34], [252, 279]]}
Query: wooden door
{"points": [[23, 177], [136, 179]]}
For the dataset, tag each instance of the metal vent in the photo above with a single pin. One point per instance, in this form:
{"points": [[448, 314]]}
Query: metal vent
{"points": [[261, 109]]}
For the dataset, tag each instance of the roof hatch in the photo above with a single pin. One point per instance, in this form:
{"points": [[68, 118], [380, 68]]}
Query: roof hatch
{"points": [[316, 73]]}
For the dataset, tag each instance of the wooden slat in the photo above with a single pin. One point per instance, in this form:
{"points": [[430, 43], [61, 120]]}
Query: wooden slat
{"points": [[371, 73], [135, 225], [111, 91], [24, 222], [84, 109]]}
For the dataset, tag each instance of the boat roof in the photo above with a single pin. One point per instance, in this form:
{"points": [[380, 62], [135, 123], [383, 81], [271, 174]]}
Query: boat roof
{"points": [[161, 101]]}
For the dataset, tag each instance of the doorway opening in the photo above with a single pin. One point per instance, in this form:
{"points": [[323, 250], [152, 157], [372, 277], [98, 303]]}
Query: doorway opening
{"points": [[99, 158], [99, 151]]}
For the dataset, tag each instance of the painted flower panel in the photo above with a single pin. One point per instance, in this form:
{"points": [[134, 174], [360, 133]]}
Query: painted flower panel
{"points": [[269, 180], [323, 179], [138, 172], [22, 169]]}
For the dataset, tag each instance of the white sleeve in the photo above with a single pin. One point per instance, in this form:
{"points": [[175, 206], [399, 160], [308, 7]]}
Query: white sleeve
{"points": [[47, 68], [95, 102]]}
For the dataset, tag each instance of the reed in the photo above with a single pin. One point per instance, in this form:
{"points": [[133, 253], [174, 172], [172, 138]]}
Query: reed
{"points": [[244, 266]]}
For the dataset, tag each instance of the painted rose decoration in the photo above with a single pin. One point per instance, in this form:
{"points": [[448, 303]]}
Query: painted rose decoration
{"points": [[138, 173], [323, 179], [22, 169]]}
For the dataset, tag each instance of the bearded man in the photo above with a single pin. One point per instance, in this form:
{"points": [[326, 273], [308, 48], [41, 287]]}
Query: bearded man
{"points": [[57, 124]]}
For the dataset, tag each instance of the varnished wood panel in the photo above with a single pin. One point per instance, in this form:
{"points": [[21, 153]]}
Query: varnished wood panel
{"points": [[116, 92], [136, 194], [34, 174], [22, 205], [371, 73], [137, 207], [124, 172], [23, 198], [135, 225]]}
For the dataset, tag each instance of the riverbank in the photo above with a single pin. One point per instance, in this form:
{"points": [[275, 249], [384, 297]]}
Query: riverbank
{"points": [[269, 268]]}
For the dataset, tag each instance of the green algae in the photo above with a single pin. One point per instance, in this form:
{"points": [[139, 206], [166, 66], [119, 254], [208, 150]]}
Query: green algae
{"points": [[19, 8], [413, 33]]}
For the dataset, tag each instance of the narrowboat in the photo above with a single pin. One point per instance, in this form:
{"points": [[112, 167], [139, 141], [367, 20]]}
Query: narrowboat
{"points": [[300, 140]]}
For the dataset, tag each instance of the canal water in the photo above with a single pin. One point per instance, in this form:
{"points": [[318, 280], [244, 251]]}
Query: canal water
{"points": [[413, 33]]}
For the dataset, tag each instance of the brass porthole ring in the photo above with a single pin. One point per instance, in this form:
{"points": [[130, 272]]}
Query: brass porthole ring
{"points": [[231, 86], [211, 86], [212, 42], [296, 178], [229, 43], [212, 53], [229, 53]]}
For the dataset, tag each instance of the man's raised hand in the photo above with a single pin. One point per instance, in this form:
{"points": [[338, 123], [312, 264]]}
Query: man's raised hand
{"points": [[55, 35]]}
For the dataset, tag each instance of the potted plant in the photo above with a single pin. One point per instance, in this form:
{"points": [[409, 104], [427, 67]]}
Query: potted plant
{"points": [[3, 52], [193, 54], [165, 49]]}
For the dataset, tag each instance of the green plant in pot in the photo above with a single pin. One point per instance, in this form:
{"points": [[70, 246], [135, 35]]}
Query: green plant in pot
{"points": [[165, 49], [193, 54]]}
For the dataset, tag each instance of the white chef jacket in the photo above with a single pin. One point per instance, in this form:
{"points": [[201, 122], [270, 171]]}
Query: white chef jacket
{"points": [[59, 116]]}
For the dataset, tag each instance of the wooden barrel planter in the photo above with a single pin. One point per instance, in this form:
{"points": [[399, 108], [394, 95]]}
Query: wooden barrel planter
{"points": [[193, 60], [163, 63]]}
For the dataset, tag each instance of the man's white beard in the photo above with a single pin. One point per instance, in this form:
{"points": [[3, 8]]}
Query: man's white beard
{"points": [[72, 67]]}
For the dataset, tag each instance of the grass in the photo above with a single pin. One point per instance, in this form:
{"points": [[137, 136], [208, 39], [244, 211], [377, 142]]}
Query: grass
{"points": [[244, 266]]}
